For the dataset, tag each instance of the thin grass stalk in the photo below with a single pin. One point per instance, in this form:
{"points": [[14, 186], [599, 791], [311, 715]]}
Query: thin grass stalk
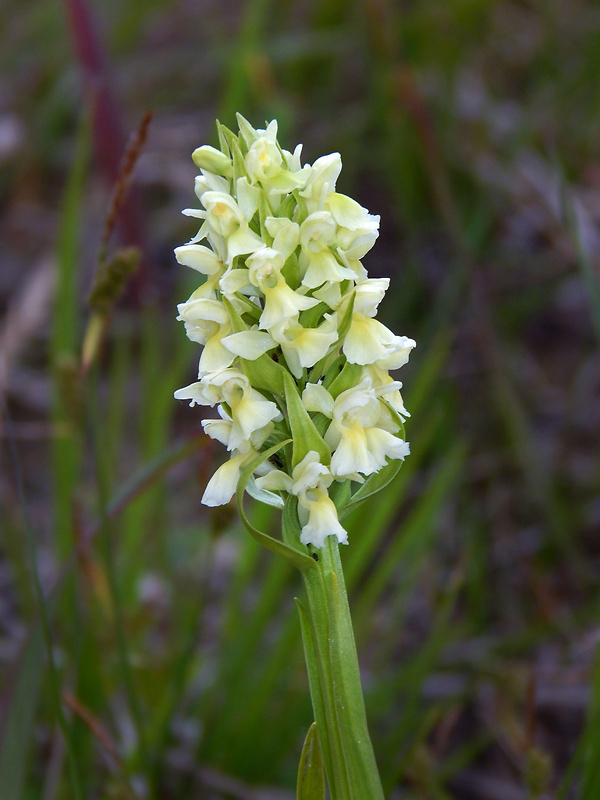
{"points": [[66, 449], [168, 705], [234, 671], [44, 614], [109, 136], [111, 571]]}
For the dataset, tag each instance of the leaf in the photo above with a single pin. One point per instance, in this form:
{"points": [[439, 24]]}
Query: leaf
{"points": [[312, 316], [287, 207], [302, 212], [18, 733], [266, 374], [347, 378], [223, 140], [291, 273], [299, 559], [344, 325], [340, 494], [324, 365], [247, 132], [315, 676], [290, 524], [311, 779], [332, 372], [374, 483], [264, 211], [237, 323], [305, 436], [239, 166], [359, 759]]}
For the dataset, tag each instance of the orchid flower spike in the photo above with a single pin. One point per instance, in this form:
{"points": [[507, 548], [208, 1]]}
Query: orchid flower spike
{"points": [[291, 350]]}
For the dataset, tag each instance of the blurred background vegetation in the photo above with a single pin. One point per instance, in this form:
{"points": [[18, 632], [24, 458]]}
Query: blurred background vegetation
{"points": [[148, 648]]}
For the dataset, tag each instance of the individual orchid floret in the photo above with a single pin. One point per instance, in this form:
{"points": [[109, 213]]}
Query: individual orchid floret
{"points": [[386, 387], [303, 347], [368, 341], [317, 512], [277, 171], [309, 482], [207, 322], [221, 487], [203, 260], [361, 435], [285, 233], [266, 165], [281, 301], [357, 230], [227, 219], [250, 410], [321, 181], [208, 182], [264, 159], [317, 261]]}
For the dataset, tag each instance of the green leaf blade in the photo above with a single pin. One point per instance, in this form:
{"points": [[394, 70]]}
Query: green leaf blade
{"points": [[305, 436], [349, 703], [311, 778]]}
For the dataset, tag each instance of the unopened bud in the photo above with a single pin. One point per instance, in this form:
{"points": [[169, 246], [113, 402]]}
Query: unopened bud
{"points": [[212, 160]]}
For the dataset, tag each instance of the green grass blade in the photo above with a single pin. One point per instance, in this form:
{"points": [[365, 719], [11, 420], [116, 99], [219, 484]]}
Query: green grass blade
{"points": [[312, 667], [66, 449], [415, 532], [102, 470], [239, 662], [44, 612], [367, 526], [18, 729]]}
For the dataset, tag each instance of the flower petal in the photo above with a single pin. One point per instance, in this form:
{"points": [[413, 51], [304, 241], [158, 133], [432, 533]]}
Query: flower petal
{"points": [[222, 485], [322, 520], [198, 257], [316, 398], [249, 344]]}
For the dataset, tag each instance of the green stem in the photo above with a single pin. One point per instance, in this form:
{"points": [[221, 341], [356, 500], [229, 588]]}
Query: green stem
{"points": [[335, 685]]}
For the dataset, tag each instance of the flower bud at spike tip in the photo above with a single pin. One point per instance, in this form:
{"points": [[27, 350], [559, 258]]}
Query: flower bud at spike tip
{"points": [[295, 353], [212, 160]]}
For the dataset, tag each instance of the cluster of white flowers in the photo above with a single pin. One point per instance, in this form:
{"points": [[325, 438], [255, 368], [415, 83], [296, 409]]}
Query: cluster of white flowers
{"points": [[286, 295]]}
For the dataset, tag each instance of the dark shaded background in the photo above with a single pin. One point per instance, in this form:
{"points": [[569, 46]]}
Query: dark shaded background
{"points": [[473, 128]]}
